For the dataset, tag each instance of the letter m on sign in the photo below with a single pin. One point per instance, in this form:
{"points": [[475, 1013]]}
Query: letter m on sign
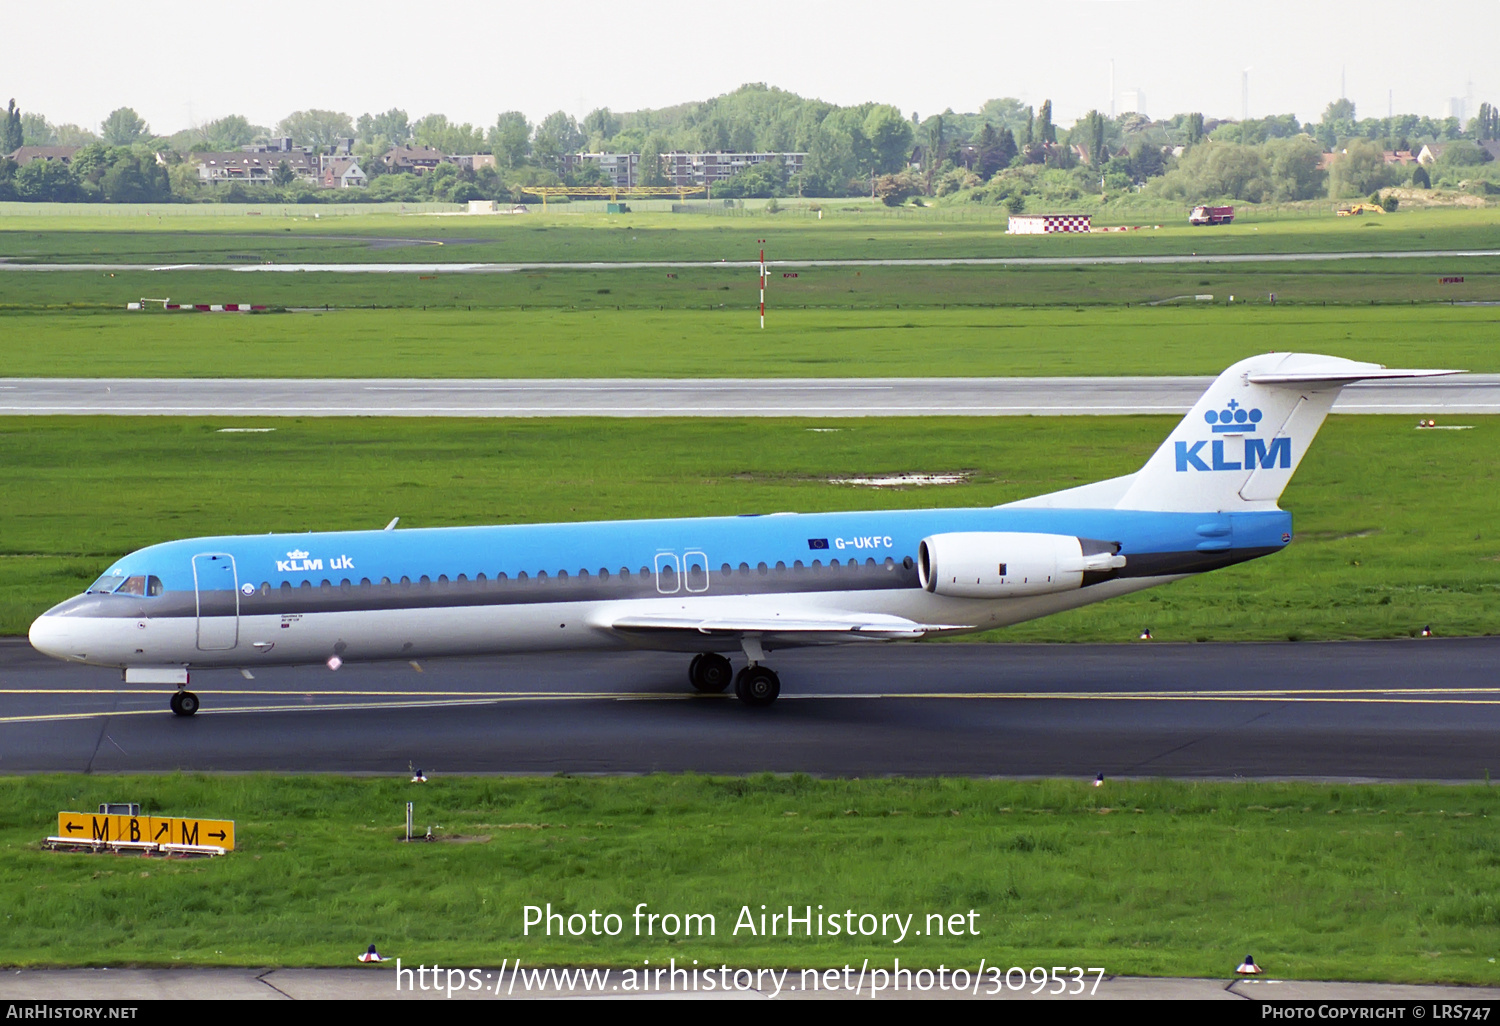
{"points": [[1279, 454]]}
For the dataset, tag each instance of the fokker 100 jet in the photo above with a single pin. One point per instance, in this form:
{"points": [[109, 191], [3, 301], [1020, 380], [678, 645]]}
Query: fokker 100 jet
{"points": [[713, 587]]}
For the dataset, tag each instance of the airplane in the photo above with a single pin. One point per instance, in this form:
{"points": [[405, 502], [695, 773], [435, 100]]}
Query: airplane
{"points": [[713, 587]]}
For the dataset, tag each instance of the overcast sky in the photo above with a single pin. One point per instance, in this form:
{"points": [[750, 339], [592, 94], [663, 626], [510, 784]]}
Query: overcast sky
{"points": [[179, 64]]}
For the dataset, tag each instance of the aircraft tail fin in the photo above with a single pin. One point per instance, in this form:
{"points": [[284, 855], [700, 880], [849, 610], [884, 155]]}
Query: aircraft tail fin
{"points": [[1243, 440]]}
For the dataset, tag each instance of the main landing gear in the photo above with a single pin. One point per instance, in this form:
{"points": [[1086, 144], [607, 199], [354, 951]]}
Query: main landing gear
{"points": [[755, 685], [184, 703], [710, 673]]}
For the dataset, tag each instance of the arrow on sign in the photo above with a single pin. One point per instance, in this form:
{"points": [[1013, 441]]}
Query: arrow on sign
{"points": [[220, 835], [166, 828], [74, 826]]}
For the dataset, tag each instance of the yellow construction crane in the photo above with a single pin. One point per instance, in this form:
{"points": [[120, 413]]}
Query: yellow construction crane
{"points": [[614, 192]]}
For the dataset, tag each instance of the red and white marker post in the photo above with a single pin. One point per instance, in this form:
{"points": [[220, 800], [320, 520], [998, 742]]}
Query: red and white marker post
{"points": [[762, 283]]}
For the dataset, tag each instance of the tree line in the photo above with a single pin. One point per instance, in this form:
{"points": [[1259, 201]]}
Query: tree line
{"points": [[1006, 152]]}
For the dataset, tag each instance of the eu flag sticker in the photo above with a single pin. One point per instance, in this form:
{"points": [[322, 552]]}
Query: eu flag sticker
{"points": [[817, 543]]}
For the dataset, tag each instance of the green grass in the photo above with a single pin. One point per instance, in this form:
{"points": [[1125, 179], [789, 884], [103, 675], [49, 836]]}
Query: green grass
{"points": [[1349, 282], [1390, 883], [728, 343], [859, 232], [1396, 528]]}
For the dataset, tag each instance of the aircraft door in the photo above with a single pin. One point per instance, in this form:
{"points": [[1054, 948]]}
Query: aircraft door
{"points": [[695, 571], [217, 586], [668, 580]]}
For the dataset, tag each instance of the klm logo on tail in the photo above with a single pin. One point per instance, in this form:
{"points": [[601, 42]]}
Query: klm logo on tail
{"points": [[1235, 420]]}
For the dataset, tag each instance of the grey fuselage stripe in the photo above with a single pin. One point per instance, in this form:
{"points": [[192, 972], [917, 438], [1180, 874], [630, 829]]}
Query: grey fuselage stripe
{"points": [[355, 596]]}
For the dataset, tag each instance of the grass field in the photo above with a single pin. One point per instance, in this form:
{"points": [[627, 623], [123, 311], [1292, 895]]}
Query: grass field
{"points": [[1396, 528], [1345, 282], [1393, 883], [847, 231], [686, 343]]}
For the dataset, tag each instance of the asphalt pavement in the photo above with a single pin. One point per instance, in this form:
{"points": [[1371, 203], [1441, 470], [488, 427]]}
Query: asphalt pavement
{"points": [[1418, 709], [1464, 394]]}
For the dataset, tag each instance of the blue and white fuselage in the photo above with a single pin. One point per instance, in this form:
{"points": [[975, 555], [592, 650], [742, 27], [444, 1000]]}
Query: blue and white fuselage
{"points": [[711, 585], [242, 601]]}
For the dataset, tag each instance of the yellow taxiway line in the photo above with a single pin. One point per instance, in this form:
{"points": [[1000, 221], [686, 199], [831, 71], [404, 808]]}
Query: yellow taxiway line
{"points": [[369, 700]]}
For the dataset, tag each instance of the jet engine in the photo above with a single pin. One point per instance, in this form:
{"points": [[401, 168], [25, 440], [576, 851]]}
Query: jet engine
{"points": [[1000, 564]]}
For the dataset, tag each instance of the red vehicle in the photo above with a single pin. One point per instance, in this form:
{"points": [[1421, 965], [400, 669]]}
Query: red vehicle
{"points": [[1211, 215]]}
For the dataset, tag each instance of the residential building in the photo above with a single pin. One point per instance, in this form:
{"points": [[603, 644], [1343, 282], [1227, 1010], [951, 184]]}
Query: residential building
{"points": [[417, 160], [343, 173], [473, 161], [622, 169], [26, 154], [699, 169], [256, 165]]}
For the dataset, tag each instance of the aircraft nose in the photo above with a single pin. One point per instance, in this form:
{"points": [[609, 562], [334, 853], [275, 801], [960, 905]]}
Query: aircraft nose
{"points": [[53, 635]]}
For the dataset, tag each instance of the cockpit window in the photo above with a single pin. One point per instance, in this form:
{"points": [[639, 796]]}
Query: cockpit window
{"points": [[106, 584], [119, 584]]}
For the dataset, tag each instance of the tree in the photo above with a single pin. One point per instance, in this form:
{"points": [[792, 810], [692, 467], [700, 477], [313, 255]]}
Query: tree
{"points": [[45, 180], [1146, 160], [133, 179], [989, 152], [13, 136], [1462, 153], [1093, 137], [1025, 138], [392, 127], [73, 135], [895, 189], [1046, 132], [651, 174], [1294, 168], [437, 131], [1487, 124], [1420, 178], [1360, 169], [283, 175], [35, 131], [601, 123], [556, 136], [318, 129], [1338, 123], [510, 139], [229, 133], [1194, 128], [765, 180], [123, 127], [890, 137], [1007, 147]]}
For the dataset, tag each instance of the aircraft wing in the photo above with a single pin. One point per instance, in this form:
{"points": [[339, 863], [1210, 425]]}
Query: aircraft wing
{"points": [[823, 627]]}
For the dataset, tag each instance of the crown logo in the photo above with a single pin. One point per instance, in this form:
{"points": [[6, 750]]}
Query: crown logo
{"points": [[296, 554], [1234, 419]]}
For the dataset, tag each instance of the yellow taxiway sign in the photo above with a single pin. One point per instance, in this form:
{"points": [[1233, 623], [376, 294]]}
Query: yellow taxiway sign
{"points": [[88, 826]]}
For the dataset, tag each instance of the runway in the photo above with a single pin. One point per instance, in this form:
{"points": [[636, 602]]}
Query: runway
{"points": [[710, 397], [462, 267], [1388, 710]]}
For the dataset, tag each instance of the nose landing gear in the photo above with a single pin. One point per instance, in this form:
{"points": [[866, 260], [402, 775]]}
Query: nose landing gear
{"points": [[184, 703]]}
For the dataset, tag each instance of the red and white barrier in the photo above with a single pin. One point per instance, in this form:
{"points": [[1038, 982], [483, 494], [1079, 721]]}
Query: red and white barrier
{"points": [[204, 307]]}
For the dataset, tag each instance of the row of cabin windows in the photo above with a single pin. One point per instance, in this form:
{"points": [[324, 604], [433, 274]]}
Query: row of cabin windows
{"points": [[695, 573]]}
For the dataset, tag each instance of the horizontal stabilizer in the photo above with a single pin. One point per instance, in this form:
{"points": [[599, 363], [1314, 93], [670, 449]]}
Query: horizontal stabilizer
{"points": [[1311, 369]]}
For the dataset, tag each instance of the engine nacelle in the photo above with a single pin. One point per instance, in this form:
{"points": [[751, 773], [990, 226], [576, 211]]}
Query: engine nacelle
{"points": [[999, 564]]}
